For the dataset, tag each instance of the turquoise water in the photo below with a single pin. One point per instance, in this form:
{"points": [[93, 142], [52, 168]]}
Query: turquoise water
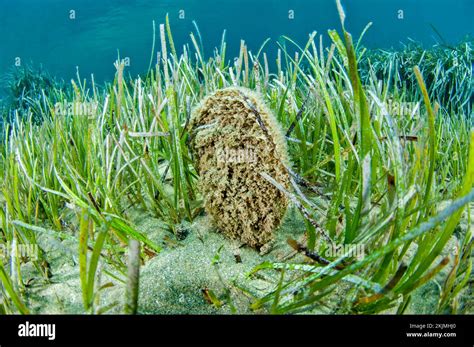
{"points": [[42, 32]]}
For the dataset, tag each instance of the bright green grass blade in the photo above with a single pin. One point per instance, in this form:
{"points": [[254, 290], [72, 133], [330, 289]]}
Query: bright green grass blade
{"points": [[8, 285], [83, 237], [432, 134], [93, 263], [422, 261]]}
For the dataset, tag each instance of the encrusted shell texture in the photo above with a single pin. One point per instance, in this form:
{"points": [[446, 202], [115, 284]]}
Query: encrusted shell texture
{"points": [[235, 138]]}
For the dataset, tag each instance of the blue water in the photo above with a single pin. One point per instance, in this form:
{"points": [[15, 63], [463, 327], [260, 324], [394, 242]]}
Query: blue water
{"points": [[41, 32]]}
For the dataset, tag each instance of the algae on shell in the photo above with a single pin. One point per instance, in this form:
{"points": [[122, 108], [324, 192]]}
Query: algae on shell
{"points": [[235, 139]]}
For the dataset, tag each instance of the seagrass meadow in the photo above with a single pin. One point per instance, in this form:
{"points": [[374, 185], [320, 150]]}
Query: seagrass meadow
{"points": [[102, 210]]}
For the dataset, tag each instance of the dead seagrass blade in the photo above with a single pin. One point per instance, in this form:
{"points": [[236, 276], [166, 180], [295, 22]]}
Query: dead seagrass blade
{"points": [[235, 139]]}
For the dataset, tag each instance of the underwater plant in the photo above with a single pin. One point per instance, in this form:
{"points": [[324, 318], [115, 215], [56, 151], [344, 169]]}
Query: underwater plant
{"points": [[447, 72], [400, 186], [235, 139], [30, 90]]}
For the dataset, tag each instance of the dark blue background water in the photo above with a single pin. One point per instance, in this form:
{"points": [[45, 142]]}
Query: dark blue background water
{"points": [[41, 32]]}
